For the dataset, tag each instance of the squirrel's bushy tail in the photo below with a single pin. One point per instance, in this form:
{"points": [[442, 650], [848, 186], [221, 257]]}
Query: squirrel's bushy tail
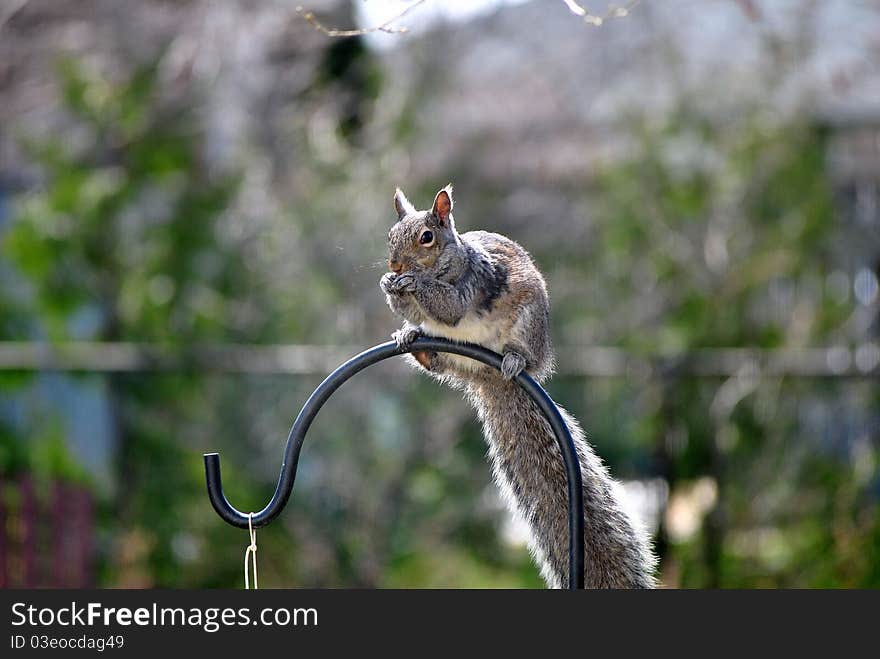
{"points": [[528, 467]]}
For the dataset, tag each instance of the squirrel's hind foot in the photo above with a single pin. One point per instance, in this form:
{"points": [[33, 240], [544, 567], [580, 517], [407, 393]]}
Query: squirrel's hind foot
{"points": [[512, 365], [406, 335]]}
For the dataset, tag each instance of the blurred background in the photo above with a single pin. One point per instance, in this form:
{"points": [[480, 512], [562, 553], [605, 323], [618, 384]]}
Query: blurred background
{"points": [[194, 198]]}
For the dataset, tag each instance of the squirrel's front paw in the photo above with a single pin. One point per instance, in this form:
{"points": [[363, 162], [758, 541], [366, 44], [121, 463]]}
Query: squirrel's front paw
{"points": [[405, 336], [386, 282], [403, 283], [512, 365]]}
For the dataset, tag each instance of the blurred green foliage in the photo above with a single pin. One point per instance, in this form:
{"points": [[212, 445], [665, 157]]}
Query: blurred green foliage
{"points": [[697, 232], [688, 239], [122, 245]]}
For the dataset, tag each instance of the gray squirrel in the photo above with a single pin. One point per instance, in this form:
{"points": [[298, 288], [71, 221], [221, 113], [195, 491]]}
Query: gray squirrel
{"points": [[480, 287]]}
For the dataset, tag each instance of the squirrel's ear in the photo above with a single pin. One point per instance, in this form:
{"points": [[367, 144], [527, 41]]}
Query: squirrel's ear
{"points": [[402, 205], [443, 205]]}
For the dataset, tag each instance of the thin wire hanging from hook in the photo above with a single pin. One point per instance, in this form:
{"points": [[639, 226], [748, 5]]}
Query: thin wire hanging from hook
{"points": [[251, 551]]}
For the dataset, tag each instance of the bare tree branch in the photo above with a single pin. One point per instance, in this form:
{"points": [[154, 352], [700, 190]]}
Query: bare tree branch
{"points": [[613, 11], [384, 27], [595, 19]]}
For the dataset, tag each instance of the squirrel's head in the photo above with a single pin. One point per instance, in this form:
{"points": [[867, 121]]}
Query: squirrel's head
{"points": [[423, 240]]}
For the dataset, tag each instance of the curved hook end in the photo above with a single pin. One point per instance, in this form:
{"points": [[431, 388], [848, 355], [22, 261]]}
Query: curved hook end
{"points": [[221, 504]]}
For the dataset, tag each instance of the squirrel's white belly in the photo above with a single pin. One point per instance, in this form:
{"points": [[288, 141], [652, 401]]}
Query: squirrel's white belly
{"points": [[470, 329]]}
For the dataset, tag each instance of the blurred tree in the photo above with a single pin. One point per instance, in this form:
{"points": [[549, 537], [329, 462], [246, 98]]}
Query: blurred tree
{"points": [[123, 243], [723, 235], [127, 240], [714, 231]]}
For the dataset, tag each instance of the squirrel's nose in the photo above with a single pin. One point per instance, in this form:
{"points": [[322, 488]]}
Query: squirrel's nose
{"points": [[396, 266]]}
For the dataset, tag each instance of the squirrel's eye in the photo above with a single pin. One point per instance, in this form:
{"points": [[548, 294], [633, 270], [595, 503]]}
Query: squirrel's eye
{"points": [[426, 238]]}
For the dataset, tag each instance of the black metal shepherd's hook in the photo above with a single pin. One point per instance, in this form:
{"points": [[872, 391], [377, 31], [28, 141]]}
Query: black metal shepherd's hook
{"points": [[355, 365]]}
